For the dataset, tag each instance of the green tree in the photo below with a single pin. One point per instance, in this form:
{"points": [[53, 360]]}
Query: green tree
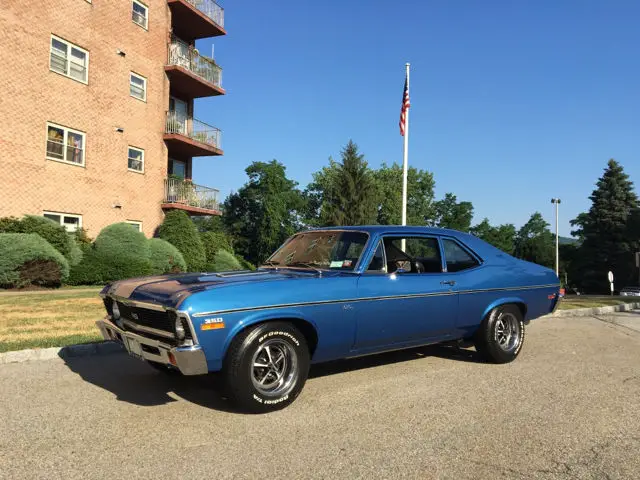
{"points": [[420, 204], [607, 231], [502, 236], [178, 229], [343, 193], [264, 212], [449, 213], [535, 242]]}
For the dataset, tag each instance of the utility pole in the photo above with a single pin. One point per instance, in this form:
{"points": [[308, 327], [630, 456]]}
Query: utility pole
{"points": [[557, 202]]}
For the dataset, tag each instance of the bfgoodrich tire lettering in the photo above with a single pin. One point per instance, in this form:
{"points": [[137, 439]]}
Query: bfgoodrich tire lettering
{"points": [[266, 367], [501, 334]]}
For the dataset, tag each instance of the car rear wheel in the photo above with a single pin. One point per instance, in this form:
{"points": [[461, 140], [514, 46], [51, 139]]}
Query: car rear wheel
{"points": [[266, 367], [501, 334]]}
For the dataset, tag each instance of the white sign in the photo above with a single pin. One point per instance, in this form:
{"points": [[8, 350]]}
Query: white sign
{"points": [[611, 287], [610, 277]]}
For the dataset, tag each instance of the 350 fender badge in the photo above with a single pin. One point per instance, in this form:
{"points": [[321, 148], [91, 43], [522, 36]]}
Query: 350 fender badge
{"points": [[212, 323]]}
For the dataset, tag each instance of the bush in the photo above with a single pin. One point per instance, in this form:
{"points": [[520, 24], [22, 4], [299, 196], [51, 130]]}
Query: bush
{"points": [[225, 261], [28, 259], [214, 242], [165, 258], [118, 252], [244, 264], [178, 229], [52, 232]]}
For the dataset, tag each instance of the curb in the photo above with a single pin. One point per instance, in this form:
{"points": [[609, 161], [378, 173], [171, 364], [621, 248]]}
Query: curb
{"points": [[585, 312], [81, 350]]}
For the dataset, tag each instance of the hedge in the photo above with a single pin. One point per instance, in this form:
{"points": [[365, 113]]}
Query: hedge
{"points": [[51, 231], [225, 261], [118, 252], [165, 258], [178, 229], [28, 259]]}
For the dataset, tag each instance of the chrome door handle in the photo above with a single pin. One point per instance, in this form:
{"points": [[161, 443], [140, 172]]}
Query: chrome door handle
{"points": [[448, 282]]}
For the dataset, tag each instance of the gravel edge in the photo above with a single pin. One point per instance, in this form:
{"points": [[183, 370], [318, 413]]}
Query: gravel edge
{"points": [[107, 348]]}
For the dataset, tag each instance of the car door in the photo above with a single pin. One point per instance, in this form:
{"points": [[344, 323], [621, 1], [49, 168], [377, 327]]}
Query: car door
{"points": [[404, 295]]}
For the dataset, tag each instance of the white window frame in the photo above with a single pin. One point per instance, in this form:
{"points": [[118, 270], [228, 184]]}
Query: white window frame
{"points": [[62, 215], [66, 131], [135, 223], [141, 150], [68, 60], [146, 18], [140, 77]]}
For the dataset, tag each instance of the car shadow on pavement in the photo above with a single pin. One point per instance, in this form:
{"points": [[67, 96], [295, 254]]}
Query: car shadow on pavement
{"points": [[134, 381]]}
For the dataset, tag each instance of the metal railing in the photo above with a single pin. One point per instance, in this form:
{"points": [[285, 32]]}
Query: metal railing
{"points": [[211, 9], [177, 190], [193, 128], [184, 55]]}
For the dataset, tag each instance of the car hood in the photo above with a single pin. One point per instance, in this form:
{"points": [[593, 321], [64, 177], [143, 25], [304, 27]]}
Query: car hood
{"points": [[171, 290]]}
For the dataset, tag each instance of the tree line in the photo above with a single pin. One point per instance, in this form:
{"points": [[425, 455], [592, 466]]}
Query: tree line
{"points": [[270, 207]]}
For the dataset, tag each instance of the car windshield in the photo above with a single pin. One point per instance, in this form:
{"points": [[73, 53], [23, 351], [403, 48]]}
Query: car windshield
{"points": [[333, 250]]}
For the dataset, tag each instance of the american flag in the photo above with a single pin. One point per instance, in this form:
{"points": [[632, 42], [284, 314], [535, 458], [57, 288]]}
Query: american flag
{"points": [[405, 106]]}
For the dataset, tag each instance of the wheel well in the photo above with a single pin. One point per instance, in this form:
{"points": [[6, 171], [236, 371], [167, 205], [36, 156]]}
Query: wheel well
{"points": [[306, 328], [523, 309]]}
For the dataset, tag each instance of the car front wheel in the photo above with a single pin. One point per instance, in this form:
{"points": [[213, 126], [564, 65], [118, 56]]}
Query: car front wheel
{"points": [[501, 334], [266, 367]]}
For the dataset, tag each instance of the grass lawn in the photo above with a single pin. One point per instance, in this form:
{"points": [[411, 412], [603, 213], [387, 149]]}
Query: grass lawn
{"points": [[40, 320], [575, 301]]}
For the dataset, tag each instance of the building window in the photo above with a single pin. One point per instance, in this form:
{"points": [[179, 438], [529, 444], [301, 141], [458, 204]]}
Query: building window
{"points": [[139, 14], [68, 59], [135, 224], [67, 220], [136, 159], [65, 145], [138, 86]]}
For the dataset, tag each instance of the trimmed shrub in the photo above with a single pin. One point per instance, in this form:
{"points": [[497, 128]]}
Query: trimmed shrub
{"points": [[214, 242], [165, 258], [52, 232], [118, 252], [225, 261], [28, 259], [178, 229]]}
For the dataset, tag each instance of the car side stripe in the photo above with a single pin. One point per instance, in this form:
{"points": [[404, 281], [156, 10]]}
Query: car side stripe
{"points": [[368, 299]]}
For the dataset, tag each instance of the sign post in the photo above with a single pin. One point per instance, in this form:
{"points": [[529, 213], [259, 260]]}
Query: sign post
{"points": [[610, 277]]}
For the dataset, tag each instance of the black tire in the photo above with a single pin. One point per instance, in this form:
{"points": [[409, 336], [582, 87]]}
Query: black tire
{"points": [[160, 367], [501, 335], [283, 351]]}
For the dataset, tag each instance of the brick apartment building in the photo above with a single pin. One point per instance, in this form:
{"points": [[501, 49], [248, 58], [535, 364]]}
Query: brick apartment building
{"points": [[98, 107]]}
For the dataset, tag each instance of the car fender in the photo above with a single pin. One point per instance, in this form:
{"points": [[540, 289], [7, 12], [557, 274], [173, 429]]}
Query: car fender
{"points": [[256, 317], [504, 301]]}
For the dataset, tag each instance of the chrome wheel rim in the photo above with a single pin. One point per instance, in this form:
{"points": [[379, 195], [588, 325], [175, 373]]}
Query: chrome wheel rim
{"points": [[274, 367], [507, 332]]}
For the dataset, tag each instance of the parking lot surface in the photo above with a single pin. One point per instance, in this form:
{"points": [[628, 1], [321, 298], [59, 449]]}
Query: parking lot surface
{"points": [[568, 407]]}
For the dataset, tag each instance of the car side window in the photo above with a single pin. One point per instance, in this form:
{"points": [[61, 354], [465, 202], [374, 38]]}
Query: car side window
{"points": [[412, 254], [377, 262], [457, 258]]}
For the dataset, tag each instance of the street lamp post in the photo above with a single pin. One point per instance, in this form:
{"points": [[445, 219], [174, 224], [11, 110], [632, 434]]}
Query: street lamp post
{"points": [[557, 202]]}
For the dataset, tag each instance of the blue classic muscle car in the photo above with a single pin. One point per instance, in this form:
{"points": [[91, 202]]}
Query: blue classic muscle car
{"points": [[329, 294]]}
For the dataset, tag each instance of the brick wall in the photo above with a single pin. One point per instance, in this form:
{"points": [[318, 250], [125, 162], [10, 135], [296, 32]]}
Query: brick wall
{"points": [[33, 95]]}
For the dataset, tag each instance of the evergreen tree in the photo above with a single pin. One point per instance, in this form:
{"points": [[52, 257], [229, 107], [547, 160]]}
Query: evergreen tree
{"points": [[502, 236], [535, 242], [607, 231], [449, 213]]}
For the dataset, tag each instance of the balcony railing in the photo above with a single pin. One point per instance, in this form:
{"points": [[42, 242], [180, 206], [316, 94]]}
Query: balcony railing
{"points": [[211, 9], [177, 190], [193, 128], [184, 55]]}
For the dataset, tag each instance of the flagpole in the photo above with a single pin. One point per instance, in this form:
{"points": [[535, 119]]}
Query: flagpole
{"points": [[405, 162]]}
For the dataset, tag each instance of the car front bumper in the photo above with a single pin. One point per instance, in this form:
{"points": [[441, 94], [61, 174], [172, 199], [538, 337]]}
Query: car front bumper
{"points": [[189, 360]]}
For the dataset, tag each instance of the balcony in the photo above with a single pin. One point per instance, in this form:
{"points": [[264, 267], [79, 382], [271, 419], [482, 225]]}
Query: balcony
{"points": [[192, 75], [193, 19], [183, 195], [189, 137]]}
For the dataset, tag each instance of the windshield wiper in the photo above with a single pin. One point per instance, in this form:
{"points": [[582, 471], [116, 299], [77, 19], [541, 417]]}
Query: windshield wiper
{"points": [[306, 265], [271, 263]]}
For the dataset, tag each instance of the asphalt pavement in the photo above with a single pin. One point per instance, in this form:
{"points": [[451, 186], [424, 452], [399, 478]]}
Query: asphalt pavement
{"points": [[568, 407]]}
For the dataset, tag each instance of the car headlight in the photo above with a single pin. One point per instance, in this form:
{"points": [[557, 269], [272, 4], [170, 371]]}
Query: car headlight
{"points": [[115, 311], [180, 333]]}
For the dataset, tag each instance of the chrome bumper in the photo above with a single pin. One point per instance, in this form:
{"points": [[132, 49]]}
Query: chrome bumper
{"points": [[189, 360]]}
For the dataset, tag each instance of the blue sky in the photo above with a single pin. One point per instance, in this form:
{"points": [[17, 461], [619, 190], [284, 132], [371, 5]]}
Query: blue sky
{"points": [[513, 102]]}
